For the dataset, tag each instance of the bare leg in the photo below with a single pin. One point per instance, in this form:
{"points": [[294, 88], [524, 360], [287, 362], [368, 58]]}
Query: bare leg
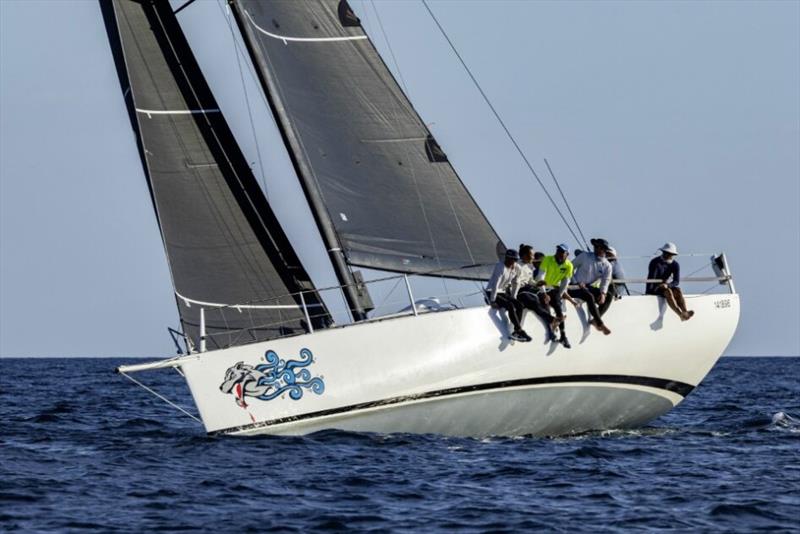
{"points": [[681, 302], [670, 298]]}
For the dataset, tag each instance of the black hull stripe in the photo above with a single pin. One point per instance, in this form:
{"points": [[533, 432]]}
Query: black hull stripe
{"points": [[674, 386]]}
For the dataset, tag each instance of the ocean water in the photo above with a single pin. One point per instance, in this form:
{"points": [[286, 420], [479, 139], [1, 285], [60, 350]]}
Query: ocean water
{"points": [[83, 448]]}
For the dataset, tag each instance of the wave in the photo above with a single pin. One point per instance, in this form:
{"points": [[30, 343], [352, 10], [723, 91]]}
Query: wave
{"points": [[784, 421]]}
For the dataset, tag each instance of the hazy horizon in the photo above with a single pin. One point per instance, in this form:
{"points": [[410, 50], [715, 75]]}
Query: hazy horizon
{"points": [[162, 356]]}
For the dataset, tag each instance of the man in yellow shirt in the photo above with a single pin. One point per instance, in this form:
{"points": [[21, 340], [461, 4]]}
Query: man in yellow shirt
{"points": [[555, 272]]}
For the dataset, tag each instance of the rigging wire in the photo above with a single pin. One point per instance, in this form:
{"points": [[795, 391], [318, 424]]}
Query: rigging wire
{"points": [[391, 51], [160, 396], [566, 202], [500, 120], [238, 53], [696, 271]]}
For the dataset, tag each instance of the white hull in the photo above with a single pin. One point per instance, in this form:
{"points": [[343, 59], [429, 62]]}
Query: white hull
{"points": [[456, 373]]}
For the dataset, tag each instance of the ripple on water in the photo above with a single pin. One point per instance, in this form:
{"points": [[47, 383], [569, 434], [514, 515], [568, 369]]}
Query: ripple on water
{"points": [[118, 460]]}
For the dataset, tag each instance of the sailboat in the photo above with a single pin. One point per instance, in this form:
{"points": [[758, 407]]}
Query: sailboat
{"points": [[264, 352]]}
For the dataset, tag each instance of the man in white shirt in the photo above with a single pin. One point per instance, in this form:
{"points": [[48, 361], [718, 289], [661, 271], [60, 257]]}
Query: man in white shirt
{"points": [[501, 292], [530, 294], [591, 267]]}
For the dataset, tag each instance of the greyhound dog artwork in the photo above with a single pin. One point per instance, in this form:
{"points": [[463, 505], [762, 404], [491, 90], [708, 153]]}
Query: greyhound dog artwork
{"points": [[272, 379]]}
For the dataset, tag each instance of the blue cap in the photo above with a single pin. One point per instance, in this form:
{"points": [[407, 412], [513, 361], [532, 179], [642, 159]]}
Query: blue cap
{"points": [[512, 254], [564, 247]]}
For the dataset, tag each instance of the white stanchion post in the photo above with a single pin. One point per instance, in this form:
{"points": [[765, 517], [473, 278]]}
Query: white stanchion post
{"points": [[305, 312], [410, 294], [202, 330]]}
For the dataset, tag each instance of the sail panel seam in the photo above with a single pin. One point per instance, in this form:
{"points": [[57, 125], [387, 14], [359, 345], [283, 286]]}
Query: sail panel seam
{"points": [[286, 39], [177, 111], [189, 302]]}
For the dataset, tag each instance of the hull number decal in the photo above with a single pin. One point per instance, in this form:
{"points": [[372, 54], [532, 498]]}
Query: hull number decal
{"points": [[274, 378], [722, 303]]}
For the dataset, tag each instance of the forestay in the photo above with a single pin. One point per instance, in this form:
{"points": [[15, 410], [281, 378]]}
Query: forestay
{"points": [[222, 240], [375, 176]]}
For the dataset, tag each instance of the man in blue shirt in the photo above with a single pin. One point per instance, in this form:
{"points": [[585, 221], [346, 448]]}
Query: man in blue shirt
{"points": [[666, 269]]}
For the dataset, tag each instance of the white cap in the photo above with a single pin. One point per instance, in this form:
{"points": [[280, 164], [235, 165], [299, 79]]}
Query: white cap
{"points": [[670, 248], [611, 251]]}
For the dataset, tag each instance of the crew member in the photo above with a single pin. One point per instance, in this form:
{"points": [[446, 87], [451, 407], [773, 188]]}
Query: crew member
{"points": [[500, 291], [616, 289], [554, 275], [591, 267], [666, 269], [537, 261], [529, 292]]}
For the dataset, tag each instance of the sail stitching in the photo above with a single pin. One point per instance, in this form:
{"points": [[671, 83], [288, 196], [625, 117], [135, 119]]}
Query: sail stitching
{"points": [[406, 103], [286, 39], [410, 157], [444, 183]]}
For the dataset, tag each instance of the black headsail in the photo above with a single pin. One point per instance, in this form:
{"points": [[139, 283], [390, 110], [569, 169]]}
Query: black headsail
{"points": [[382, 189], [223, 242]]}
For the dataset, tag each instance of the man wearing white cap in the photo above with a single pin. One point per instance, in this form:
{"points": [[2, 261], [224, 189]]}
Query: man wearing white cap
{"points": [[666, 269]]}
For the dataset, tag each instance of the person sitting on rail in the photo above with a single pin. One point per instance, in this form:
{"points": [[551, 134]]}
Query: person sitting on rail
{"points": [[615, 290], [529, 293], [502, 288], [591, 267], [537, 261], [666, 269], [554, 275]]}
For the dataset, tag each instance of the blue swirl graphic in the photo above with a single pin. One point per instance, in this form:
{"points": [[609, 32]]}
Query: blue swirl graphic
{"points": [[282, 376]]}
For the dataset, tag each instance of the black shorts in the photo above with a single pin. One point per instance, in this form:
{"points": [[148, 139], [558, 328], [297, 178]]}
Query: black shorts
{"points": [[659, 291]]}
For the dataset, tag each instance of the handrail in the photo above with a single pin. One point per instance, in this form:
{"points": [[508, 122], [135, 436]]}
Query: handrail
{"points": [[659, 280], [651, 256], [206, 307], [413, 310], [250, 304]]}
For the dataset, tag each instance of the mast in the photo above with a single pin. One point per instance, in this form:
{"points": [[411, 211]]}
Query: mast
{"points": [[351, 287]]}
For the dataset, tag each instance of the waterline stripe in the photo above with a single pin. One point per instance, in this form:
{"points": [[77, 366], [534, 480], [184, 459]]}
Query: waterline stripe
{"points": [[673, 386]]}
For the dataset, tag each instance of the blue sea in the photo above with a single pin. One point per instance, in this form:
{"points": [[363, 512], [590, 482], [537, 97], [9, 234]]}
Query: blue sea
{"points": [[83, 448]]}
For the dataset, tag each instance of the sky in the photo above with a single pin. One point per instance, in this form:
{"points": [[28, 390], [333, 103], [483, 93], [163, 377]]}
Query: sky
{"points": [[664, 121]]}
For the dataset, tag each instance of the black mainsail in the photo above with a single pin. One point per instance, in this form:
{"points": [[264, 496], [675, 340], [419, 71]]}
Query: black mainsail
{"points": [[223, 243], [382, 189]]}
